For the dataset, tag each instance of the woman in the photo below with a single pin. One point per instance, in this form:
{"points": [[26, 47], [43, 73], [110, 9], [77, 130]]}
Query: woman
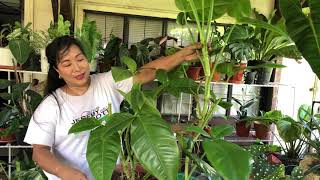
{"points": [[72, 93]]}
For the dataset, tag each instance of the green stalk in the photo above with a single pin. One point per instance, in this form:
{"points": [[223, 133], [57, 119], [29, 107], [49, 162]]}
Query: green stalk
{"points": [[195, 13], [127, 173], [186, 168], [209, 21], [194, 167]]}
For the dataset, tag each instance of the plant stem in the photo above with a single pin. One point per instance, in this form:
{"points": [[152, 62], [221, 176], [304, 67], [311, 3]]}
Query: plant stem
{"points": [[194, 167], [186, 168]]}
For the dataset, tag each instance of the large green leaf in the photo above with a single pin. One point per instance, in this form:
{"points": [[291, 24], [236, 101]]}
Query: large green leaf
{"points": [[175, 87], [221, 131], [162, 76], [120, 74], [203, 166], [102, 154], [155, 146], [137, 97], [20, 50], [35, 99], [5, 96], [131, 64], [198, 130], [234, 8], [18, 89], [5, 83], [84, 125], [228, 159], [303, 30], [116, 122], [289, 130]]}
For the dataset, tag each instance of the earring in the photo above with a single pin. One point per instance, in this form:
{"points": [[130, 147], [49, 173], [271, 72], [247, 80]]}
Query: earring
{"points": [[59, 76]]}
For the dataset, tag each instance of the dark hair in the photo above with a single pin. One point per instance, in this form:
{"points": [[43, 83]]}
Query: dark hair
{"points": [[54, 52]]}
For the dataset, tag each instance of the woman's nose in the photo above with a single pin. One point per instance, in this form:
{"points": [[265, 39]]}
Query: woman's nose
{"points": [[76, 66]]}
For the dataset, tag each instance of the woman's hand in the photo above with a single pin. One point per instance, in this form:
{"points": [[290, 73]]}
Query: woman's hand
{"points": [[68, 173], [190, 53]]}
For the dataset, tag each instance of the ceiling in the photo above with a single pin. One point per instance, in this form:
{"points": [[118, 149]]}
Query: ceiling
{"points": [[10, 11]]}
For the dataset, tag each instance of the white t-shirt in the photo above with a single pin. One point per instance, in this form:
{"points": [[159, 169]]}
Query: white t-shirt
{"points": [[51, 122]]}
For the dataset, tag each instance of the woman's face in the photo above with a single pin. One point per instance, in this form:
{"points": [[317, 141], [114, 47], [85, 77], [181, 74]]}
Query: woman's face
{"points": [[74, 68]]}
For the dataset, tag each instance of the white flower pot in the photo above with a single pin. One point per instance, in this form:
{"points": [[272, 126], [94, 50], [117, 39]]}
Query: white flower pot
{"points": [[44, 61], [93, 65], [7, 58]]}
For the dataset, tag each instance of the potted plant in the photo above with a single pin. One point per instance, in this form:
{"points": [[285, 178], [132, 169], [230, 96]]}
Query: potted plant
{"points": [[20, 47], [148, 138], [311, 129], [262, 168], [7, 59], [271, 41], [303, 30], [292, 142], [241, 48], [16, 114], [243, 125], [90, 39], [262, 123]]}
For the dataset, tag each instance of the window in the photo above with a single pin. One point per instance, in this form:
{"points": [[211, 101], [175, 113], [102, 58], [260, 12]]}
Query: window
{"points": [[142, 28], [137, 28], [181, 33], [107, 24]]}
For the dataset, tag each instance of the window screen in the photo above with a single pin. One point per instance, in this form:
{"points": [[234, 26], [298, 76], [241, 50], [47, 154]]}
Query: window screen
{"points": [[107, 24]]}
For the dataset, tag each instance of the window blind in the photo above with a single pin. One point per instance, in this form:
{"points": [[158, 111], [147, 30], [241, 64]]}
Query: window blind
{"points": [[142, 28], [107, 24]]}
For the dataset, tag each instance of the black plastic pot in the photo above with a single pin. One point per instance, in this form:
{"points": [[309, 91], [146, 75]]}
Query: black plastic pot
{"points": [[264, 75], [289, 163], [33, 62], [250, 77]]}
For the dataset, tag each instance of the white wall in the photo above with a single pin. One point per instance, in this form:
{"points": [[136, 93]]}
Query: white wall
{"points": [[301, 79]]}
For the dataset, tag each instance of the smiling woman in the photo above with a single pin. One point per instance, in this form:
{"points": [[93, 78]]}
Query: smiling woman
{"points": [[74, 69], [73, 95]]}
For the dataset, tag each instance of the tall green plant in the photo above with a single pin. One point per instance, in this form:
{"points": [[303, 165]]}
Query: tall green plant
{"points": [[90, 38], [203, 12], [19, 42], [148, 138], [304, 29], [62, 28]]}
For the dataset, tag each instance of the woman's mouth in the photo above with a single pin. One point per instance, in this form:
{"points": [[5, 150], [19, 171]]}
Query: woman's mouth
{"points": [[80, 76]]}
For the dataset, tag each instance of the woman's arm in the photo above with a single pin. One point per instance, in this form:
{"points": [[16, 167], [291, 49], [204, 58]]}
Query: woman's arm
{"points": [[148, 71], [48, 162]]}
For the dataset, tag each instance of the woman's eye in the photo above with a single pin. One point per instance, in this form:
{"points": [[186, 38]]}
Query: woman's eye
{"points": [[66, 65], [80, 59]]}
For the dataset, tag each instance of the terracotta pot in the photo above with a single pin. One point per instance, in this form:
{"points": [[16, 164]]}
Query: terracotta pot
{"points": [[242, 130], [262, 131], [194, 72], [216, 76], [7, 139], [237, 77]]}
